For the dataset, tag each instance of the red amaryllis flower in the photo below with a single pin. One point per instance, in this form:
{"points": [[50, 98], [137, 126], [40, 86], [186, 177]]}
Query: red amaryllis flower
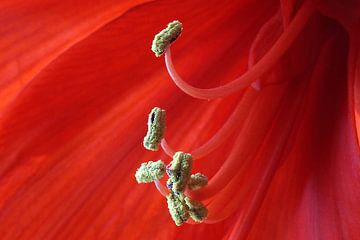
{"points": [[78, 80]]}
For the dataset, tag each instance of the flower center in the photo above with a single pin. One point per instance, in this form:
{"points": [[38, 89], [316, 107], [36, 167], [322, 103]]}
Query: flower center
{"points": [[182, 186]]}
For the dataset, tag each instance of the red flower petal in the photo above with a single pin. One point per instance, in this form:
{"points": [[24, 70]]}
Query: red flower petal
{"points": [[37, 32], [70, 141]]}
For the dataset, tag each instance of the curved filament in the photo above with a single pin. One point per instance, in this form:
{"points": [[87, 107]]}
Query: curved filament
{"points": [[263, 41], [251, 131], [224, 132], [166, 147], [261, 67]]}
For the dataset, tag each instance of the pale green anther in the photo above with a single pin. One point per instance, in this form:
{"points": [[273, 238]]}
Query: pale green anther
{"points": [[156, 128], [177, 208], [150, 171], [197, 181], [197, 211], [179, 171], [164, 38]]}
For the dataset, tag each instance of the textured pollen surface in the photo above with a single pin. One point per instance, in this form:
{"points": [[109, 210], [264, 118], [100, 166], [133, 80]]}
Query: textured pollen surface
{"points": [[164, 38], [197, 181], [156, 128], [198, 212], [150, 171], [179, 171], [177, 207]]}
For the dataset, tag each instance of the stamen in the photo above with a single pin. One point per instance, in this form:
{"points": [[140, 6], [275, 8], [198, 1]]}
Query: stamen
{"points": [[198, 212], [164, 38], [236, 119], [178, 209], [150, 171], [186, 205], [261, 67], [197, 181], [156, 128], [254, 131], [179, 171], [182, 207]]}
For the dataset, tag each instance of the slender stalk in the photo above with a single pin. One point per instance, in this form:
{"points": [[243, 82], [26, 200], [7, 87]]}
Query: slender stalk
{"points": [[261, 67], [237, 117]]}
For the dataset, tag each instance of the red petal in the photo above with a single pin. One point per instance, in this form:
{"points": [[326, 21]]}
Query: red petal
{"points": [[74, 133], [70, 141], [37, 32]]}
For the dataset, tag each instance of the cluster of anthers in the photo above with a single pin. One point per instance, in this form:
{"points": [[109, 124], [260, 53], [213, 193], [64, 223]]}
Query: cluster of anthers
{"points": [[181, 183], [181, 206]]}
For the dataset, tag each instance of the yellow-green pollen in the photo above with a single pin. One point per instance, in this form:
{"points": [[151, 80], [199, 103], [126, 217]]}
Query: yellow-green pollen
{"points": [[150, 171], [178, 209], [164, 38], [197, 211], [156, 128], [182, 207], [179, 172]]}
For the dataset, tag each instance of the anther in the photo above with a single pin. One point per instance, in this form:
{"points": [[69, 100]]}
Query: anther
{"points": [[156, 128], [164, 38], [197, 181], [150, 171], [178, 209], [179, 171], [197, 211]]}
